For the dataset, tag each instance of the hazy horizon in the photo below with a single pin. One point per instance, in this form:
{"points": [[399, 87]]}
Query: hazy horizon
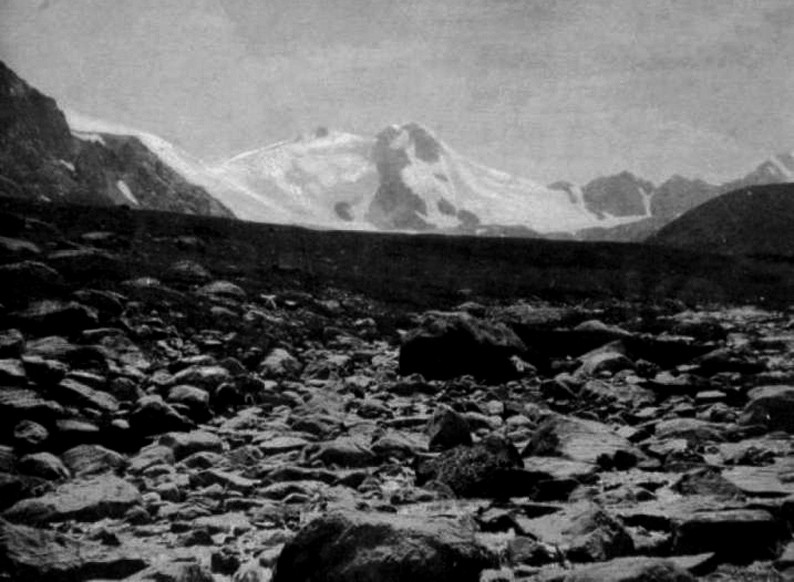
{"points": [[547, 90]]}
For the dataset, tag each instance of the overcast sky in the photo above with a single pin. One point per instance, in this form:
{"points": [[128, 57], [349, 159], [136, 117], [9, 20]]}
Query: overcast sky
{"points": [[566, 89]]}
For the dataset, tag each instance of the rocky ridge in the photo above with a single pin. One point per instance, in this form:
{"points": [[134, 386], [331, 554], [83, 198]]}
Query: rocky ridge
{"points": [[188, 425], [41, 158]]}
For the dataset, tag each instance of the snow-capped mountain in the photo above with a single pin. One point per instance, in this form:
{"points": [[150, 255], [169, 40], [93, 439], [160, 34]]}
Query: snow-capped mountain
{"points": [[404, 179]]}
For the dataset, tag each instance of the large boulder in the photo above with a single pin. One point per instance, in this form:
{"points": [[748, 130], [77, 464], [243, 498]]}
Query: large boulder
{"points": [[448, 345], [343, 546], [88, 500], [771, 407], [28, 553]]}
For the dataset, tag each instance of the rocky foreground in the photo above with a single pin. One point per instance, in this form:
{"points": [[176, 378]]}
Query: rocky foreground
{"points": [[194, 428]]}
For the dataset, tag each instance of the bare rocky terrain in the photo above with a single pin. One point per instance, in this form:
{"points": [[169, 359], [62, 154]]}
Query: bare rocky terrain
{"points": [[174, 409]]}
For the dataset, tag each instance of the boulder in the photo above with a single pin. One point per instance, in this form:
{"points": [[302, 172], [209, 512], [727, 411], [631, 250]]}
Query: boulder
{"points": [[85, 460], [343, 546], [448, 345], [87, 500], [44, 465], [492, 468], [584, 532], [578, 439], [185, 444], [733, 534], [153, 415], [28, 553], [771, 407], [447, 428]]}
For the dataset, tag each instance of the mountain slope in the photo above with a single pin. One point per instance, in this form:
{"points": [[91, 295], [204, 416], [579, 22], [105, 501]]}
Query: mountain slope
{"points": [[43, 158], [756, 220]]}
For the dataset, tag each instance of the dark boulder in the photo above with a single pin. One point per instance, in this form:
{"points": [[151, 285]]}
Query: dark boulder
{"points": [[448, 345], [344, 546]]}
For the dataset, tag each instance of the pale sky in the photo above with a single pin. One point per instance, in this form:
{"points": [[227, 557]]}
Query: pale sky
{"points": [[550, 90]]}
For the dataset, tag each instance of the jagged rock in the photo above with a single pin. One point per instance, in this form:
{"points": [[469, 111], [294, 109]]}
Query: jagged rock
{"points": [[771, 407], [196, 400], [398, 444], [12, 343], [48, 317], [44, 465], [72, 392], [343, 451], [14, 248], [610, 359], [62, 350], [29, 435], [223, 289], [447, 429], [734, 534], [706, 481], [87, 460], [584, 532], [34, 554], [635, 569], [382, 548], [692, 430], [581, 440], [16, 403], [226, 480], [150, 456], [282, 444], [279, 363], [456, 344], [153, 415], [12, 373], [207, 377], [86, 500], [185, 444], [122, 351]]}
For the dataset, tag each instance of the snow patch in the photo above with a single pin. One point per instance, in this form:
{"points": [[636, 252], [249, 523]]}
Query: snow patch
{"points": [[88, 137], [785, 171], [68, 165], [124, 189]]}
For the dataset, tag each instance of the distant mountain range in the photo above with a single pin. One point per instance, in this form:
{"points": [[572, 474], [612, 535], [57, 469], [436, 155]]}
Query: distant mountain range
{"points": [[402, 179]]}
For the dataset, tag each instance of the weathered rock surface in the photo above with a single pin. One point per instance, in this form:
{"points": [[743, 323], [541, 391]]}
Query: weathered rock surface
{"points": [[382, 548]]}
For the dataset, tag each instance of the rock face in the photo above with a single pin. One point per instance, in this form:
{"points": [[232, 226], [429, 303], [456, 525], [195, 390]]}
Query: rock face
{"points": [[620, 195], [43, 160], [370, 548]]}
